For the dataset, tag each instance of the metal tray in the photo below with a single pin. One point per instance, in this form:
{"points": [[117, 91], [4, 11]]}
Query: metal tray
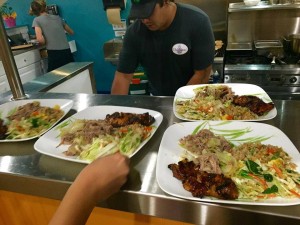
{"points": [[263, 44], [269, 48], [231, 46]]}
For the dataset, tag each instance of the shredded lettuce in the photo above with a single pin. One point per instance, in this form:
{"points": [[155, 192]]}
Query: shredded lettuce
{"points": [[126, 140], [130, 142], [98, 148], [228, 163]]}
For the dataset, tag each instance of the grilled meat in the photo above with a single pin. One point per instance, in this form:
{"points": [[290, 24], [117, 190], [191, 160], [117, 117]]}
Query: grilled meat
{"points": [[253, 103], [201, 183], [3, 130], [120, 119]]}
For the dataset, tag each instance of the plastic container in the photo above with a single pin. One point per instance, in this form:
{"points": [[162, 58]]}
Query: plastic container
{"points": [[10, 22]]}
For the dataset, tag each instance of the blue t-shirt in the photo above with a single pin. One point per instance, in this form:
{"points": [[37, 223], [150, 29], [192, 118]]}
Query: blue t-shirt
{"points": [[169, 57]]}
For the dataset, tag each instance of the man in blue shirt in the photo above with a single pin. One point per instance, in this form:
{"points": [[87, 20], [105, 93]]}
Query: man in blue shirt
{"points": [[174, 43]]}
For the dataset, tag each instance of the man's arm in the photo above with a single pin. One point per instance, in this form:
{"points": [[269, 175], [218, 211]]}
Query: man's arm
{"points": [[121, 83], [200, 76]]}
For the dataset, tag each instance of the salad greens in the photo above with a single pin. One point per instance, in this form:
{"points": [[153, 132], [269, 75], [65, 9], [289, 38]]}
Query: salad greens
{"points": [[125, 139], [31, 120], [260, 171]]}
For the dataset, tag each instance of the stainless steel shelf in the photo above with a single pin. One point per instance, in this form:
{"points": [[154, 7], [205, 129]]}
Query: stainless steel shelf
{"points": [[263, 5]]}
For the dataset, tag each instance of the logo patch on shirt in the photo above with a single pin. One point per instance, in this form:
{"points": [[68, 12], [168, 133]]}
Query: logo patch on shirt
{"points": [[179, 49]]}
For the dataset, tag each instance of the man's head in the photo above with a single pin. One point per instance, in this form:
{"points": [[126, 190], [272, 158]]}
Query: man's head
{"points": [[142, 9], [155, 14]]}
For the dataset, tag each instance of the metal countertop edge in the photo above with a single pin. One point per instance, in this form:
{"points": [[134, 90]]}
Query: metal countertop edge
{"points": [[166, 207]]}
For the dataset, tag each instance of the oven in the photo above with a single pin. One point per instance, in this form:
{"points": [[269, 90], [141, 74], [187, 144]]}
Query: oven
{"points": [[278, 76]]}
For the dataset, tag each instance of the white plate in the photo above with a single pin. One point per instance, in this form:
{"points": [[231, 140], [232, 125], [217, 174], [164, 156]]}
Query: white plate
{"points": [[47, 144], [170, 152], [186, 92], [6, 108]]}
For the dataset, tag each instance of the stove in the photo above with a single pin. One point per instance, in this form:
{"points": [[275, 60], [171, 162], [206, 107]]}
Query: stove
{"points": [[274, 75]]}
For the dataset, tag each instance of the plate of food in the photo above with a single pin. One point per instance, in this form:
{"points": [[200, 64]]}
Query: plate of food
{"points": [[27, 119], [242, 102], [231, 162], [98, 131]]}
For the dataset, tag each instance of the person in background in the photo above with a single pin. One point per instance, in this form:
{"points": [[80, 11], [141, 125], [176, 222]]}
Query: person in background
{"points": [[173, 42], [51, 31], [96, 182]]}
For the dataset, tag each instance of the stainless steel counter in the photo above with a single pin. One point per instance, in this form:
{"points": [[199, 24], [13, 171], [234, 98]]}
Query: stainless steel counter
{"points": [[21, 51], [26, 171], [57, 77]]}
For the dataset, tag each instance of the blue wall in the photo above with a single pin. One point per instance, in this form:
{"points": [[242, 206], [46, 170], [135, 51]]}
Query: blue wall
{"points": [[88, 20]]}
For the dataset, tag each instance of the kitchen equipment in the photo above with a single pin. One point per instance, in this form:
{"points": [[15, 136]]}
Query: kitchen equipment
{"points": [[295, 43], [113, 3], [286, 42], [218, 64], [280, 77], [10, 41], [216, 11], [16, 39], [273, 2], [52, 9], [251, 2], [273, 67], [269, 48], [239, 46]]}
